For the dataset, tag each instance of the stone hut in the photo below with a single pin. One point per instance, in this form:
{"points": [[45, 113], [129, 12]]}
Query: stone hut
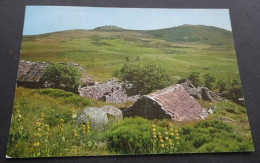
{"points": [[172, 102], [30, 74]]}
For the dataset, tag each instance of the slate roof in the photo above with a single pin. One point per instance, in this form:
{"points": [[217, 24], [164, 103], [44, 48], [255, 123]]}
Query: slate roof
{"points": [[177, 102]]}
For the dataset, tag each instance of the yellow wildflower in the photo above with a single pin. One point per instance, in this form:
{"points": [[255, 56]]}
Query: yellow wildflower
{"points": [[159, 133], [177, 138], [166, 133], [172, 134], [153, 126], [176, 130], [37, 134], [170, 143], [154, 129], [161, 140], [178, 143], [162, 145], [36, 144], [66, 149], [166, 138], [61, 120], [38, 124], [171, 129], [154, 136]]}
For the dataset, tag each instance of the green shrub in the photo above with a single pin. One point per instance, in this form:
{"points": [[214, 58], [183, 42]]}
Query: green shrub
{"points": [[222, 85], [144, 80], [194, 77], [139, 136], [216, 124], [209, 80], [132, 135], [62, 76]]}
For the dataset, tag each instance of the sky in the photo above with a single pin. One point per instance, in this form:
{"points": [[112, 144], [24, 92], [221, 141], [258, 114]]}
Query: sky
{"points": [[46, 19]]}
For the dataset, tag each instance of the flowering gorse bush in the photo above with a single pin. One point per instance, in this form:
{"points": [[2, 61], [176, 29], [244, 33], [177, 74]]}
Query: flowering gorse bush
{"points": [[166, 141]]}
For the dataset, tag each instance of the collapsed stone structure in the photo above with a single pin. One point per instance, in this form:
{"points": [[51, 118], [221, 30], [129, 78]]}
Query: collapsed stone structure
{"points": [[201, 93], [30, 74], [109, 91], [172, 102]]}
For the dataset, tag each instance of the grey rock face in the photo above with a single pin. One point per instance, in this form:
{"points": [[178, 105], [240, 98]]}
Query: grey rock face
{"points": [[96, 117], [99, 117], [210, 111], [113, 112]]}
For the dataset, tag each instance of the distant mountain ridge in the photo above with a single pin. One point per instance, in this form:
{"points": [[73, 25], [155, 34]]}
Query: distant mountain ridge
{"points": [[109, 27], [183, 33]]}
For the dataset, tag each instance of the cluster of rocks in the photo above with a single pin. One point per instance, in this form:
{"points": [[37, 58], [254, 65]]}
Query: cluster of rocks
{"points": [[109, 91], [202, 93]]}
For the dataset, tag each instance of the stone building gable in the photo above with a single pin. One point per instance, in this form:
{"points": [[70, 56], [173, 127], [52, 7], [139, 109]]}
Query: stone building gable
{"points": [[171, 102], [30, 73]]}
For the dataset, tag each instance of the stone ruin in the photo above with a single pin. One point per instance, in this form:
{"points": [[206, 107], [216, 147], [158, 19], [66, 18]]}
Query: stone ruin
{"points": [[202, 93], [109, 91], [172, 102], [30, 74]]}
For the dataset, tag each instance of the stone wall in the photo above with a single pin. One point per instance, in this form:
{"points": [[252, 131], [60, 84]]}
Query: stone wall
{"points": [[147, 108], [109, 91]]}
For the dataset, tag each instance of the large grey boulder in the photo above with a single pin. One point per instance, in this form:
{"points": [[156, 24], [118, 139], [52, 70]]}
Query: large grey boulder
{"points": [[100, 116], [96, 117], [113, 112]]}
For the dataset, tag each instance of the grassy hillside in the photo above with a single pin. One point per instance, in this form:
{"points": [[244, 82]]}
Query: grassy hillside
{"points": [[102, 51], [43, 125]]}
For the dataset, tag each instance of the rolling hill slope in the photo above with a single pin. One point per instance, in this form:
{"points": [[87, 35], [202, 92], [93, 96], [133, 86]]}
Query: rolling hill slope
{"points": [[102, 51]]}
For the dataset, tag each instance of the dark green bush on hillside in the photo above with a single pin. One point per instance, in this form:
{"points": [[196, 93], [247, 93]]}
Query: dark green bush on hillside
{"points": [[60, 76], [194, 77], [235, 91], [213, 136], [209, 80], [131, 136], [144, 80], [222, 85]]}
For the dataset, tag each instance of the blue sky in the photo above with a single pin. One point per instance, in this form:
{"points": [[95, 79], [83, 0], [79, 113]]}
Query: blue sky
{"points": [[46, 19]]}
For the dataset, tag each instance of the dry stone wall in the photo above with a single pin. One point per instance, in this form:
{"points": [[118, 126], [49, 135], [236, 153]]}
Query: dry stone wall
{"points": [[109, 91]]}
